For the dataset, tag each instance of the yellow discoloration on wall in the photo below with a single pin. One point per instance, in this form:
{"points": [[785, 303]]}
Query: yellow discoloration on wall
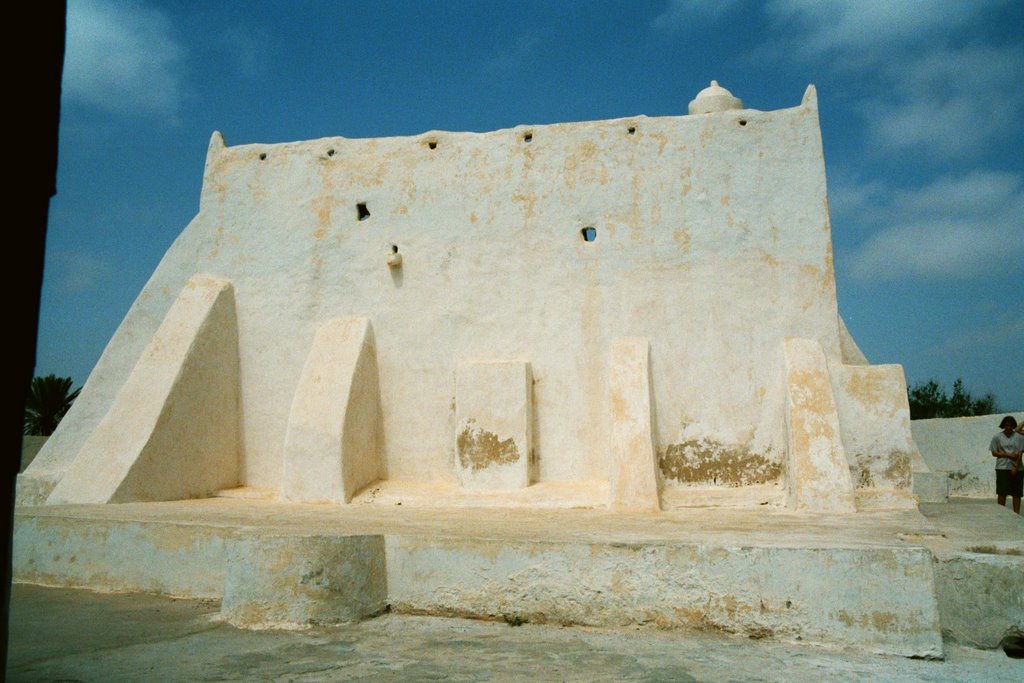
{"points": [[323, 224], [828, 273], [257, 190], [479, 449], [869, 389], [814, 390], [708, 462], [662, 139], [217, 240], [586, 151], [864, 479], [706, 134], [891, 470], [848, 620], [898, 471], [682, 235], [820, 474], [584, 165], [528, 201], [809, 270], [883, 622], [619, 408]]}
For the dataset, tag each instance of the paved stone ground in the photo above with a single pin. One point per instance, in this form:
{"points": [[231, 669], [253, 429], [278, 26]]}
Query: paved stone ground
{"points": [[60, 634]]}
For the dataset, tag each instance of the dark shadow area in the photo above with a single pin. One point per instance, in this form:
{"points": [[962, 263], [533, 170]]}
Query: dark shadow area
{"points": [[33, 120], [1013, 646]]}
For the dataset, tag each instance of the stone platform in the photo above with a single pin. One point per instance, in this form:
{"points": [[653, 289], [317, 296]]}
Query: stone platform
{"points": [[891, 583]]}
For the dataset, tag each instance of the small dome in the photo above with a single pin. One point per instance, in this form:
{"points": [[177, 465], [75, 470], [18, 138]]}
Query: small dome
{"points": [[714, 98]]}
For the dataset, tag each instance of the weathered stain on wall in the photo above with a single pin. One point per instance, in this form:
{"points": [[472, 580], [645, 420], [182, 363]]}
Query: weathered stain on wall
{"points": [[478, 449], [875, 414], [888, 470], [709, 463]]}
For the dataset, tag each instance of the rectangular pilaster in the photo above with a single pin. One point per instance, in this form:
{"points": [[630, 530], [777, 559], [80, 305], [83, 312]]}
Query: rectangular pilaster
{"points": [[633, 477], [819, 474], [494, 425], [875, 416]]}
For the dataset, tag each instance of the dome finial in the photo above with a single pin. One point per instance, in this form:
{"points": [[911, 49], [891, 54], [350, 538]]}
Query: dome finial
{"points": [[714, 98]]}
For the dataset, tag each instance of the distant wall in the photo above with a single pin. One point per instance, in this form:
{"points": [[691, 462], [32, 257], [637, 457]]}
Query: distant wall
{"points": [[958, 446]]}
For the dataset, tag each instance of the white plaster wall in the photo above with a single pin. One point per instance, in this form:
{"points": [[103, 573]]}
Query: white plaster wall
{"points": [[713, 241], [958, 446]]}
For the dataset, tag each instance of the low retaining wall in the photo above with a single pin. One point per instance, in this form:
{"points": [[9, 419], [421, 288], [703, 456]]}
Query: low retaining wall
{"points": [[981, 596], [879, 599], [958, 446]]}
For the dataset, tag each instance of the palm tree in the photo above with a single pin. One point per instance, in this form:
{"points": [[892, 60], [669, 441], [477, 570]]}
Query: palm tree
{"points": [[49, 399]]}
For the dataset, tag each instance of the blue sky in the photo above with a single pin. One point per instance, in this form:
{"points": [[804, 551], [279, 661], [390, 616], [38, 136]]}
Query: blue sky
{"points": [[921, 108]]}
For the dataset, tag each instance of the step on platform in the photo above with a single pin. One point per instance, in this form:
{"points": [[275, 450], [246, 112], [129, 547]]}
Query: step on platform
{"points": [[866, 581]]}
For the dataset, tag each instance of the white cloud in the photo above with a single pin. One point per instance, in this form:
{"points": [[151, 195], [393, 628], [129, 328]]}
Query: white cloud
{"points": [[78, 271], [954, 228], [972, 339], [851, 199], [937, 89], [680, 14], [932, 250], [949, 102], [122, 58], [973, 194], [246, 47], [513, 57], [844, 26]]}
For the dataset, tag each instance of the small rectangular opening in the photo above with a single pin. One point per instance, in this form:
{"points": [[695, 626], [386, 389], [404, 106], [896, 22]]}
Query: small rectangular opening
{"points": [[362, 213]]}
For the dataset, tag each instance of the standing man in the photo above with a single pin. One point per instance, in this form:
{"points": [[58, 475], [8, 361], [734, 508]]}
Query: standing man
{"points": [[1007, 447]]}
